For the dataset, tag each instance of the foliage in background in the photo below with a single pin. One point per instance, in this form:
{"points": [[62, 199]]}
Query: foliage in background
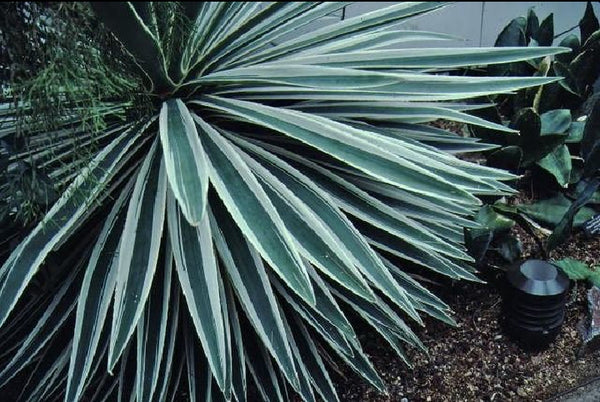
{"points": [[556, 125], [62, 78], [284, 181], [579, 270]]}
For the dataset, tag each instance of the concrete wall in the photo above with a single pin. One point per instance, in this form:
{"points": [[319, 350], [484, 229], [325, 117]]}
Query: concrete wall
{"points": [[479, 23]]}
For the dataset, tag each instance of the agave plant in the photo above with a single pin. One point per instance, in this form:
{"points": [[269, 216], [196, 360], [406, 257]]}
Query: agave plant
{"points": [[286, 177]]}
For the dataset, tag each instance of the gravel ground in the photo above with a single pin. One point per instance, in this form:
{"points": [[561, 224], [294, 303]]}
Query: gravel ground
{"points": [[477, 361], [586, 392]]}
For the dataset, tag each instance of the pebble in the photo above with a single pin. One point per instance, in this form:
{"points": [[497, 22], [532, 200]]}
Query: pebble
{"points": [[591, 336]]}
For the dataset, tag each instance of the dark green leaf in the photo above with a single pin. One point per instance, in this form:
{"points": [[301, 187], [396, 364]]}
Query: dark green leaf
{"points": [[575, 269], [513, 34], [555, 121], [575, 132], [545, 34], [510, 248], [493, 224], [576, 211], [570, 41], [590, 143], [584, 66], [506, 158], [533, 142], [533, 24], [492, 220], [558, 164], [569, 83], [550, 211], [588, 23]]}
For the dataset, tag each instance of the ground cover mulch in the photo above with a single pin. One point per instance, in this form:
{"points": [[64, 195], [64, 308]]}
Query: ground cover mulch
{"points": [[476, 360]]}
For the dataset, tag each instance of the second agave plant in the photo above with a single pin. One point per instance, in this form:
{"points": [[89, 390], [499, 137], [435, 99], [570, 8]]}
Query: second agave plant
{"points": [[281, 180]]}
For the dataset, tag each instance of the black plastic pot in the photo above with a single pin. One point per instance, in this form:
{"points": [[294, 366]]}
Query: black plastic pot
{"points": [[534, 302]]}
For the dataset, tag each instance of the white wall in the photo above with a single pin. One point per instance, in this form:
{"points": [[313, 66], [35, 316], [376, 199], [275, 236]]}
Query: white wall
{"points": [[479, 23]]}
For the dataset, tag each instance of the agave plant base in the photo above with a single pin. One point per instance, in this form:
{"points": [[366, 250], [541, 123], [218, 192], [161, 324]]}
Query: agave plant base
{"points": [[255, 200]]}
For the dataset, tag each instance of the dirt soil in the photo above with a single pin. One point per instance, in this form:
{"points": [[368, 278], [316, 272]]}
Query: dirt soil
{"points": [[477, 361]]}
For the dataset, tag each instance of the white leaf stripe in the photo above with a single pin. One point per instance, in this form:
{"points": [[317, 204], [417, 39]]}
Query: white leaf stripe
{"points": [[261, 369], [251, 284], [309, 356], [191, 47], [421, 150], [328, 306], [423, 58], [344, 79], [313, 237], [193, 247], [166, 364], [238, 21], [125, 391], [204, 23], [345, 143], [184, 159], [442, 165], [173, 386], [370, 22], [220, 23], [409, 113], [226, 392], [414, 288], [249, 28], [303, 387], [25, 317], [139, 250], [381, 315], [198, 372], [360, 364], [326, 317], [55, 314], [47, 373], [374, 40], [417, 205], [124, 20], [102, 350], [351, 198], [375, 213], [237, 348], [278, 21], [258, 220], [371, 210], [152, 332], [407, 251], [18, 270], [271, 92], [349, 174], [95, 297], [393, 192]]}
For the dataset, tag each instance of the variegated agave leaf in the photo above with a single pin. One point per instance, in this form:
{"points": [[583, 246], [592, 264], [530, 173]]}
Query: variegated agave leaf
{"points": [[288, 174]]}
